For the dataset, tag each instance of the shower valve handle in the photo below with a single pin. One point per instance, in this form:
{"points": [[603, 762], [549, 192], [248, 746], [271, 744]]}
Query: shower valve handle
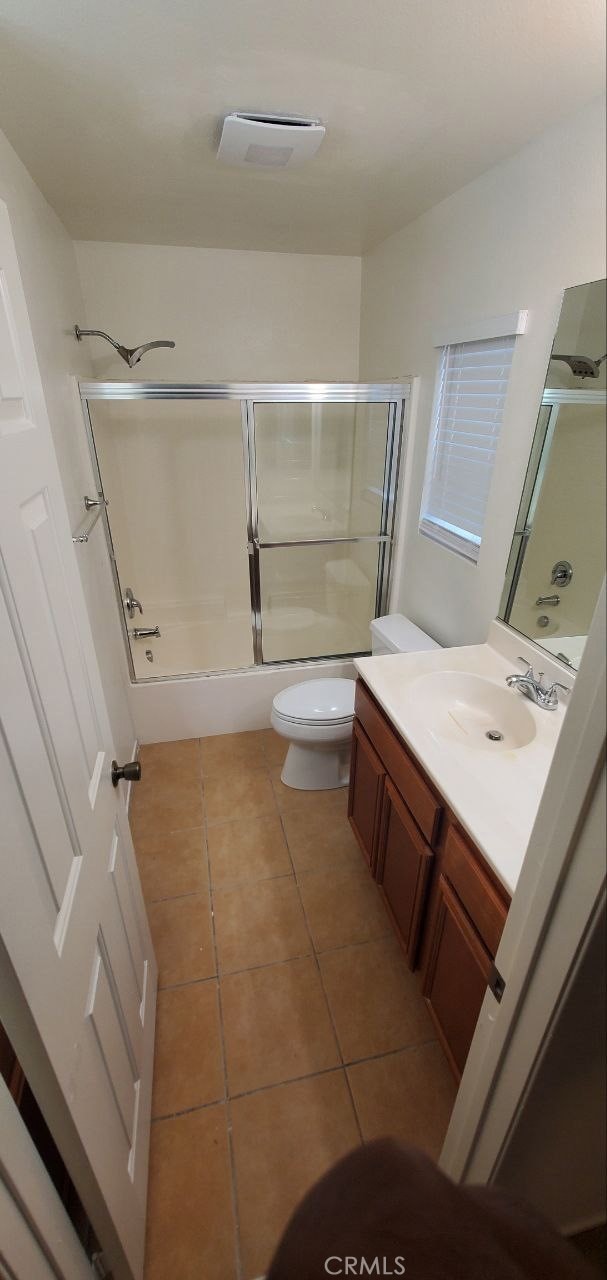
{"points": [[131, 603]]}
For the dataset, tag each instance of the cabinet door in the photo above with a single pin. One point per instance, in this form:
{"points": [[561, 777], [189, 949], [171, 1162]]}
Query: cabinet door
{"points": [[367, 776], [404, 862], [456, 975]]}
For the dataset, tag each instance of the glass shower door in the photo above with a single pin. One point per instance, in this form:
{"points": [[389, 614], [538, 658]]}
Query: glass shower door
{"points": [[320, 513], [172, 471]]}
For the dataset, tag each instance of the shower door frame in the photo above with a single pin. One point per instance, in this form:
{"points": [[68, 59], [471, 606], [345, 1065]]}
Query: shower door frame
{"points": [[395, 396]]}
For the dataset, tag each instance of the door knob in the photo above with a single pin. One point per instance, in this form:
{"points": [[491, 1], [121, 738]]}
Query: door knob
{"points": [[131, 772]]}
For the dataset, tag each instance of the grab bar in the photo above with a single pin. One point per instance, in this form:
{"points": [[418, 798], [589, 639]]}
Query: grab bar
{"points": [[96, 506]]}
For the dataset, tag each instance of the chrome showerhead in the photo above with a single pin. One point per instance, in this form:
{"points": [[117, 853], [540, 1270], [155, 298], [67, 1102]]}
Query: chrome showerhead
{"points": [[582, 366], [130, 355]]}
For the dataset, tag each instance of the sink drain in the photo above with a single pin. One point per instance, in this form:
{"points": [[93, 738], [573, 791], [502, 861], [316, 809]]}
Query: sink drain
{"points": [[494, 735]]}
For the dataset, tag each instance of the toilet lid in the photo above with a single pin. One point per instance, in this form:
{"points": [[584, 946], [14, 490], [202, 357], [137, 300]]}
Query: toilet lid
{"points": [[319, 701]]}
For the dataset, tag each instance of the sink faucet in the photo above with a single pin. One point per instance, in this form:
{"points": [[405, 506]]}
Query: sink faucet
{"points": [[534, 689]]}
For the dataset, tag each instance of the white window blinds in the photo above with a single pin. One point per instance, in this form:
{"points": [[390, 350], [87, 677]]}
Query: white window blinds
{"points": [[468, 411]]}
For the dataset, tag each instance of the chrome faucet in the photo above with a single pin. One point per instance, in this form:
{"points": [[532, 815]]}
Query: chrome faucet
{"points": [[532, 688]]}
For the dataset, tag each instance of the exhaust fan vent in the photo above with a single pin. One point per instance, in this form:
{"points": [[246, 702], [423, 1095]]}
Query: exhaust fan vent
{"points": [[277, 142]]}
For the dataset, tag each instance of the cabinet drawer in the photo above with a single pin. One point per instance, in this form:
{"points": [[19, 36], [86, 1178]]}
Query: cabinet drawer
{"points": [[421, 800], [477, 893], [404, 863]]}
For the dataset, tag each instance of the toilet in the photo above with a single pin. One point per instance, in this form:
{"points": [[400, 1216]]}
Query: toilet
{"points": [[316, 716]]}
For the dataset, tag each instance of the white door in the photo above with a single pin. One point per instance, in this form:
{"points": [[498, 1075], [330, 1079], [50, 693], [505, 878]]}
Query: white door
{"points": [[72, 917]]}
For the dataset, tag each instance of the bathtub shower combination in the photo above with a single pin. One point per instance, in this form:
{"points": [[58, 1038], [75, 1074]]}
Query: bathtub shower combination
{"points": [[248, 525]]}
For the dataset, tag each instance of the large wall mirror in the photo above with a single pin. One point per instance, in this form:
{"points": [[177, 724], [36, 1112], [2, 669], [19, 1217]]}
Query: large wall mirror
{"points": [[557, 562]]}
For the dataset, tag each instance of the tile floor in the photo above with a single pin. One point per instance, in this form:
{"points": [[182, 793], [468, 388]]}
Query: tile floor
{"points": [[289, 1027]]}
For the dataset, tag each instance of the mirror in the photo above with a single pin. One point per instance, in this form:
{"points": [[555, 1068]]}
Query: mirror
{"points": [[557, 561]]}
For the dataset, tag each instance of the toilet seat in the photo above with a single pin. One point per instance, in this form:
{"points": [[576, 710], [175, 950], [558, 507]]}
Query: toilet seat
{"points": [[316, 702]]}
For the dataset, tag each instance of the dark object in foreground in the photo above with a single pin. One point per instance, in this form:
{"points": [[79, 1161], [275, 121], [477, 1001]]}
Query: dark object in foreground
{"points": [[387, 1210]]}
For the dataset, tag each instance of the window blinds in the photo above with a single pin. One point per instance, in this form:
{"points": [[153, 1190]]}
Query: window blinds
{"points": [[469, 406]]}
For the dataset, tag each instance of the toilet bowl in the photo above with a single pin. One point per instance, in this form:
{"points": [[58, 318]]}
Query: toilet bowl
{"points": [[316, 718]]}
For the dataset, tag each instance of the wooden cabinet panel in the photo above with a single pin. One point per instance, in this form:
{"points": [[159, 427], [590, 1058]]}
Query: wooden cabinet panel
{"points": [[365, 796], [456, 976], [485, 906], [404, 863], [424, 804]]}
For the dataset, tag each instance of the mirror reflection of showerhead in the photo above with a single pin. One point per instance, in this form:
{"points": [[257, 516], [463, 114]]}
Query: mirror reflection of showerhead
{"points": [[582, 366], [130, 355]]}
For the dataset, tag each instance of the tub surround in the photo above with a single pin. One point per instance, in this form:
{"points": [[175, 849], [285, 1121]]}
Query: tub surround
{"points": [[494, 794]]}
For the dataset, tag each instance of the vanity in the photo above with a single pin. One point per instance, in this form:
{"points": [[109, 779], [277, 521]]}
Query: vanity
{"points": [[448, 766]]}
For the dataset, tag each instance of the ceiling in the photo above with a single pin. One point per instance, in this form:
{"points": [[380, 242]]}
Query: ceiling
{"points": [[115, 108]]}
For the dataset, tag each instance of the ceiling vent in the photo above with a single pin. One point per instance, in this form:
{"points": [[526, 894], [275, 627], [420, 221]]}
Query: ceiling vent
{"points": [[272, 142]]}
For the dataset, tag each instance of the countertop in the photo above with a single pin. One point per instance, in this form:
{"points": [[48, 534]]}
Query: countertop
{"points": [[494, 796]]}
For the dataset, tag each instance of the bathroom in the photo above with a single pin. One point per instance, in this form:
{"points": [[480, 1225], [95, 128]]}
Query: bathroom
{"points": [[301, 403]]}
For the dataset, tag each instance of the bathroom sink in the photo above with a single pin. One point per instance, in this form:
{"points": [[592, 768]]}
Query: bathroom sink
{"points": [[461, 707]]}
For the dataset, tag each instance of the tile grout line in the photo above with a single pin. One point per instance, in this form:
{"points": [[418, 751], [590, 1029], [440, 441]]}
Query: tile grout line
{"points": [[342, 1066], [233, 1181], [322, 986]]}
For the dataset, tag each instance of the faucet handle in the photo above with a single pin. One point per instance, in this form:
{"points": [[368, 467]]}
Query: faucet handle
{"points": [[529, 671], [557, 685]]}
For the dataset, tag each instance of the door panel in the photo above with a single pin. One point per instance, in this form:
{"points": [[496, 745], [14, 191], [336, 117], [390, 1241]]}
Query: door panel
{"points": [[367, 777], [317, 600], [404, 864], [456, 976], [173, 474], [72, 917]]}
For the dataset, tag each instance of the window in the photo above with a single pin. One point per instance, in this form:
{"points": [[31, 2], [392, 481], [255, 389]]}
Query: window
{"points": [[466, 424]]}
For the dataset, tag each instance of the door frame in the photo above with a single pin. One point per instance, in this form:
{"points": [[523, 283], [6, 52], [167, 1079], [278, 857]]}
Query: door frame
{"points": [[394, 395], [34, 1225], [552, 914]]}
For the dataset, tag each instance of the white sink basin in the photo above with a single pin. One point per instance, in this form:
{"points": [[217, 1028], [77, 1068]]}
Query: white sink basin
{"points": [[465, 708]]}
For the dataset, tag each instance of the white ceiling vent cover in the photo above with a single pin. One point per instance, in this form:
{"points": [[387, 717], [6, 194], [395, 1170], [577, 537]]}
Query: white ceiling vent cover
{"points": [[276, 142]]}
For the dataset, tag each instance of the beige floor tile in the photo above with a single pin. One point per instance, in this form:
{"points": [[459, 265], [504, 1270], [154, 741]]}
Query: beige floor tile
{"points": [[343, 906], [276, 1025], [169, 796], [250, 849], [374, 998], [408, 1095], [238, 794], [227, 751], [259, 923], [284, 1139], [321, 836], [274, 747], [183, 940], [191, 1234], [166, 804], [288, 798], [172, 864], [188, 1060], [162, 760]]}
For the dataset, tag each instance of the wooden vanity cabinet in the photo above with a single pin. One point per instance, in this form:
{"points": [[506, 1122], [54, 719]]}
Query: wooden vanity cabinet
{"points": [[446, 905]]}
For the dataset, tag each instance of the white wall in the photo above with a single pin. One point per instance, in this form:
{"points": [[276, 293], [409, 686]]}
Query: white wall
{"points": [[514, 238], [54, 300], [235, 315]]}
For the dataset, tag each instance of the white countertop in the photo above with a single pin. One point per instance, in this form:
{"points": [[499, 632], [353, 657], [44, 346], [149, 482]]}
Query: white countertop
{"points": [[494, 796]]}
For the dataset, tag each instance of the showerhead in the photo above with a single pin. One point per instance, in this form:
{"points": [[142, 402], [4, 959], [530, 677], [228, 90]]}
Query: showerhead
{"points": [[582, 366], [130, 355]]}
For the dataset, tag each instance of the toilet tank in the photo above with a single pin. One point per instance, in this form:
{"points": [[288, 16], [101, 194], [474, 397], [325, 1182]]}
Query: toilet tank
{"points": [[396, 634]]}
